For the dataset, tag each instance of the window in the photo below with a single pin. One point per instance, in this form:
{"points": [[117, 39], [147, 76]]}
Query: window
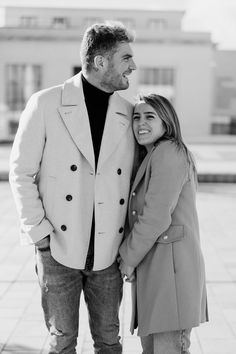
{"points": [[60, 22], [28, 21], [157, 76], [232, 127], [157, 24], [159, 80], [225, 92], [21, 81]]}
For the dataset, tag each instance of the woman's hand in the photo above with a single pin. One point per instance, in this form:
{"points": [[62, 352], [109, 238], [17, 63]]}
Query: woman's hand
{"points": [[127, 271]]}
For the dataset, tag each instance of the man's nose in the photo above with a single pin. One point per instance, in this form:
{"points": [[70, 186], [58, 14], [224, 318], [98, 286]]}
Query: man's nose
{"points": [[133, 65]]}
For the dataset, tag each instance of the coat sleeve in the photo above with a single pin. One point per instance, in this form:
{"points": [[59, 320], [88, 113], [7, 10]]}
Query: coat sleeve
{"points": [[169, 171], [25, 162]]}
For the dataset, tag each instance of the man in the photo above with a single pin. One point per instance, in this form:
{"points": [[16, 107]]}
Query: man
{"points": [[70, 172]]}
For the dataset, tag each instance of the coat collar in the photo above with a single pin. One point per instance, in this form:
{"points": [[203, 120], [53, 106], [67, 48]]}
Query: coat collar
{"points": [[75, 117], [142, 169], [71, 91], [117, 122]]}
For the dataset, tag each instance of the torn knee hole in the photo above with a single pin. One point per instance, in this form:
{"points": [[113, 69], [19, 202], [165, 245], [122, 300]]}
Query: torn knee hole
{"points": [[56, 332]]}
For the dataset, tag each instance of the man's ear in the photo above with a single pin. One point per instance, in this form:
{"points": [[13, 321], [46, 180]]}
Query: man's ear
{"points": [[99, 62]]}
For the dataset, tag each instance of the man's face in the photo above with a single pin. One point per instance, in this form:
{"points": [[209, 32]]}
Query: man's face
{"points": [[118, 67]]}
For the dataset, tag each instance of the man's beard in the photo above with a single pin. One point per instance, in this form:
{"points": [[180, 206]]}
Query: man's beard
{"points": [[112, 82]]}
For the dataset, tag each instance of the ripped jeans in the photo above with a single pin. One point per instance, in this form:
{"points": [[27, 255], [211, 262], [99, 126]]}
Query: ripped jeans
{"points": [[61, 289], [173, 342]]}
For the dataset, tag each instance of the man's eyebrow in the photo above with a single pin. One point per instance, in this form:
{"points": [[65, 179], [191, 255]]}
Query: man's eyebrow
{"points": [[127, 55]]}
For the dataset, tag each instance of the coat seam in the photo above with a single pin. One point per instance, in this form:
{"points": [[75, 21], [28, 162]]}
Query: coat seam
{"points": [[177, 303]]}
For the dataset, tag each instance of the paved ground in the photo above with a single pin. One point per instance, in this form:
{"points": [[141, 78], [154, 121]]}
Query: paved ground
{"points": [[22, 329]]}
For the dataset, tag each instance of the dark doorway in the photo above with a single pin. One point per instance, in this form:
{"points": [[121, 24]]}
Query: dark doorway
{"points": [[232, 127]]}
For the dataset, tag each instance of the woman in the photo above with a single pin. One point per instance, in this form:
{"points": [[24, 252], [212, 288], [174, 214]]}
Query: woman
{"points": [[162, 251]]}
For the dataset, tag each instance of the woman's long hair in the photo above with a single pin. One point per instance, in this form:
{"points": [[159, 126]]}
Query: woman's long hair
{"points": [[167, 114]]}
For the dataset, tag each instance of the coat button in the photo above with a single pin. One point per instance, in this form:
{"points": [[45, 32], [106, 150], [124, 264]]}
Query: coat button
{"points": [[133, 194], [119, 171], [73, 168], [134, 212], [69, 197], [165, 237], [122, 201], [121, 229], [63, 227]]}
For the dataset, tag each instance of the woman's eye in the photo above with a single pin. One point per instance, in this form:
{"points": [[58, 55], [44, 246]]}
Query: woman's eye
{"points": [[135, 117], [150, 117]]}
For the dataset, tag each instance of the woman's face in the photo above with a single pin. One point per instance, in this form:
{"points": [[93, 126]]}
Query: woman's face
{"points": [[147, 125]]}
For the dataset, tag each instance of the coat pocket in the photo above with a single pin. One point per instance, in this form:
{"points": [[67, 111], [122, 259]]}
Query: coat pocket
{"points": [[173, 234]]}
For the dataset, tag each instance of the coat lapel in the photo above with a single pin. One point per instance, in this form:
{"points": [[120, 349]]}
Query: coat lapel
{"points": [[75, 117], [116, 125], [141, 170], [139, 175]]}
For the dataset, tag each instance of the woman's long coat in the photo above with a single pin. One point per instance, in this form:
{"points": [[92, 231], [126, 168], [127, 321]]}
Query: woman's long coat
{"points": [[164, 245]]}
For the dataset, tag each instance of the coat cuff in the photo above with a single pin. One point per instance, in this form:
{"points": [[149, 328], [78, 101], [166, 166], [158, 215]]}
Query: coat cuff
{"points": [[32, 234], [127, 258]]}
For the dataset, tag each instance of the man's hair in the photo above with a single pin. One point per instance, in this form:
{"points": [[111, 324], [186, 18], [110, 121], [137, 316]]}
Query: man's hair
{"points": [[102, 39]]}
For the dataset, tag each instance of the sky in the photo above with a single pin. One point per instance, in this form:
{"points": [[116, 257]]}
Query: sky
{"points": [[215, 16]]}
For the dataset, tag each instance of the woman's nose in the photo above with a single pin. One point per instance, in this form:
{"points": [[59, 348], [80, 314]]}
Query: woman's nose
{"points": [[141, 122]]}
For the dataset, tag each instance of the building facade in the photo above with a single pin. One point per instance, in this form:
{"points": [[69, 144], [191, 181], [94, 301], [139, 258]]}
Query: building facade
{"points": [[40, 48], [224, 103]]}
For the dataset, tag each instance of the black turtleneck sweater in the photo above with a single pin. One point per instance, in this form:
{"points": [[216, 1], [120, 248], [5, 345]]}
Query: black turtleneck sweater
{"points": [[97, 103]]}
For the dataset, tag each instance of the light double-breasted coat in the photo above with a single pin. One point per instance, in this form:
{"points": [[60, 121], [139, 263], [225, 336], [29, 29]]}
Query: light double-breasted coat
{"points": [[169, 292], [53, 176]]}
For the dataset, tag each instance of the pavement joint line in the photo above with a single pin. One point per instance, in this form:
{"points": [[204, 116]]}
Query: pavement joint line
{"points": [[199, 343], [217, 336], [18, 281], [5, 345], [10, 284], [221, 281]]}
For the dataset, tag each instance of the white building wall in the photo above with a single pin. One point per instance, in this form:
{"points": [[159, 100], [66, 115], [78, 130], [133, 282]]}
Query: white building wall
{"points": [[55, 58], [57, 51], [194, 90], [78, 17], [193, 82]]}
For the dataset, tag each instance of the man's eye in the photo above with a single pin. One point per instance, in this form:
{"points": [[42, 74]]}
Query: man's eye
{"points": [[135, 117]]}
